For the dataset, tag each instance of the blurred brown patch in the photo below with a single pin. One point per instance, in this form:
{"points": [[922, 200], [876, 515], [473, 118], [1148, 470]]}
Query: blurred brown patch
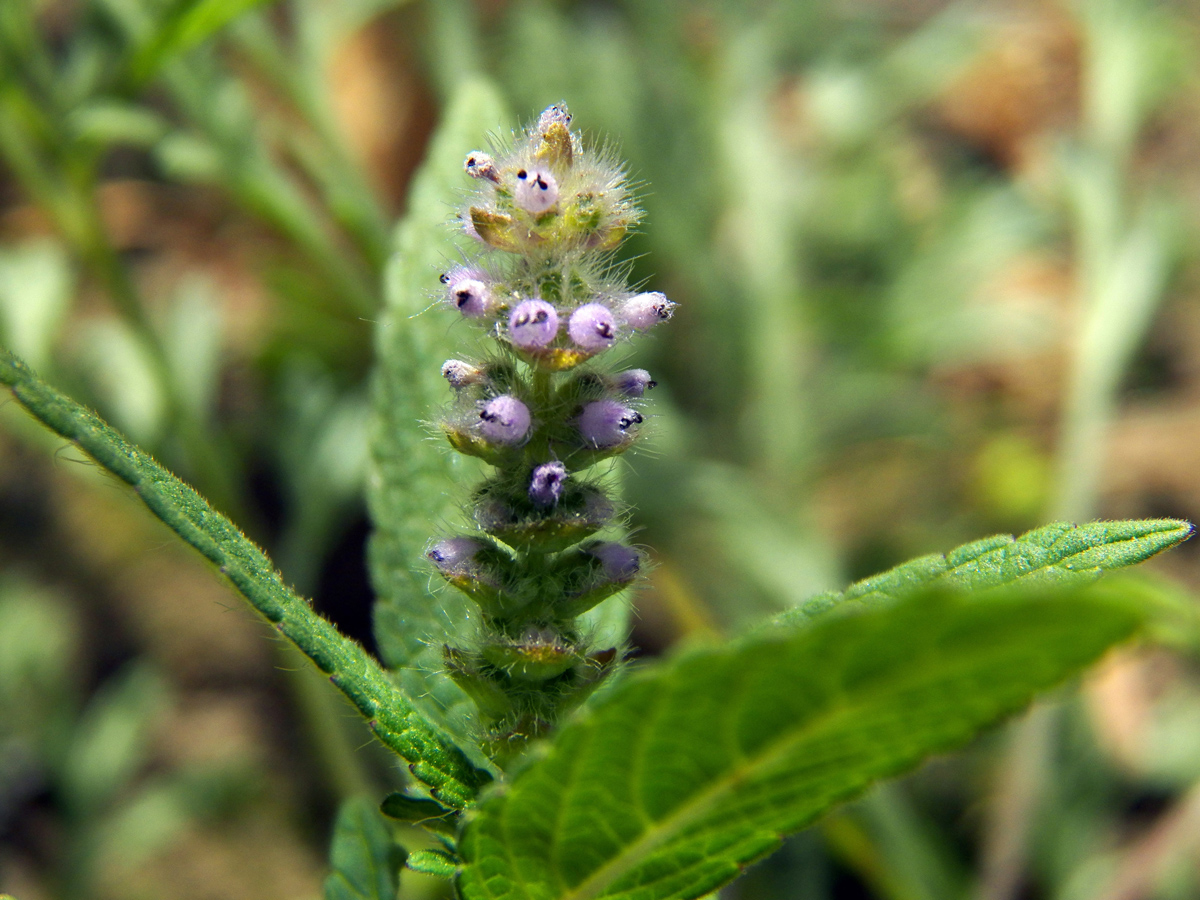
{"points": [[1024, 82], [382, 104]]}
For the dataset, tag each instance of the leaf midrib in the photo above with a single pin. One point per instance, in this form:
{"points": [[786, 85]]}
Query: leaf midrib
{"points": [[692, 810]]}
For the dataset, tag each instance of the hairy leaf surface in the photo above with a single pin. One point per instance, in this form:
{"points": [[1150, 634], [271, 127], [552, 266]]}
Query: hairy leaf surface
{"points": [[432, 757], [1059, 554], [694, 768], [416, 481]]}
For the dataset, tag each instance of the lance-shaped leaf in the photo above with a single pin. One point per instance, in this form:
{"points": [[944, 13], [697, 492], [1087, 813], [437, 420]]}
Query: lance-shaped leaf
{"points": [[431, 755], [415, 482], [1058, 554], [692, 769]]}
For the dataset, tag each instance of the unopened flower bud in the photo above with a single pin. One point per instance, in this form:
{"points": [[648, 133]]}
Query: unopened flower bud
{"points": [[468, 291], [633, 383], [547, 482], [461, 374], [532, 325], [606, 423], [592, 327], [618, 562], [555, 114], [504, 420], [643, 311], [536, 190], [453, 555], [480, 165]]}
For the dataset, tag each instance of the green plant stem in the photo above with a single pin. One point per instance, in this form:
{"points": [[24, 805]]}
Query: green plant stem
{"points": [[432, 757]]}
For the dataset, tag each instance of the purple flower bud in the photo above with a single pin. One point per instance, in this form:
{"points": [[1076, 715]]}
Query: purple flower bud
{"points": [[592, 327], [504, 420], [643, 311], [453, 555], [468, 291], [536, 190], [532, 325], [552, 114], [633, 383], [480, 165], [606, 423], [619, 563], [547, 482], [461, 374]]}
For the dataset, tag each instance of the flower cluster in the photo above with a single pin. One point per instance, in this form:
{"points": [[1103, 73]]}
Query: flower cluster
{"points": [[542, 409]]}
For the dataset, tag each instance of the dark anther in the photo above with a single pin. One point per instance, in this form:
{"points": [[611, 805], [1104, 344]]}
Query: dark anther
{"points": [[522, 174]]}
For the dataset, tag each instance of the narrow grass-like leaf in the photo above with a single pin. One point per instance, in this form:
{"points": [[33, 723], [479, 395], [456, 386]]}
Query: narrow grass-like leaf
{"points": [[187, 26], [694, 768], [431, 755], [416, 479], [1059, 554], [364, 856]]}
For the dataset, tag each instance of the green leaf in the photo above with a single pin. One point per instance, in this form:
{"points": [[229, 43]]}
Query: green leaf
{"points": [[415, 482], [364, 855], [431, 756], [1058, 554], [188, 26], [433, 862], [692, 769]]}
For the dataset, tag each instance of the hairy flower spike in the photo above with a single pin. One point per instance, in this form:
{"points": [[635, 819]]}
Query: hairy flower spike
{"points": [[544, 212]]}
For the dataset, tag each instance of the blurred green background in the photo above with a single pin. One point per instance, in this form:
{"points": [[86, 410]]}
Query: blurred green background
{"points": [[937, 271]]}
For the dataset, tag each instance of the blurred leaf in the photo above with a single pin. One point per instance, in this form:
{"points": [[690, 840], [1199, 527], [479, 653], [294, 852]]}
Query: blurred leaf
{"points": [[107, 122], [193, 344], [36, 286], [364, 855], [124, 376], [109, 743], [191, 23], [694, 768], [414, 480], [432, 758], [1059, 554]]}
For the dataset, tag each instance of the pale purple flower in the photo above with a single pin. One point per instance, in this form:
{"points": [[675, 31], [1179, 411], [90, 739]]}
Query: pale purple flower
{"points": [[646, 310], [532, 325], [504, 420], [592, 327], [546, 483], [536, 190], [633, 383], [606, 423], [468, 291], [618, 562]]}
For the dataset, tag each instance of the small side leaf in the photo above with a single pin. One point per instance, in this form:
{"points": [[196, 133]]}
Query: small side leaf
{"points": [[431, 755], [1059, 554], [692, 769], [364, 855], [433, 862]]}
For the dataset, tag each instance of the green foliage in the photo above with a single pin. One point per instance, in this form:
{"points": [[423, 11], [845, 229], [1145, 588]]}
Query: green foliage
{"points": [[1058, 554], [431, 757], [189, 24], [415, 476], [690, 770], [364, 856]]}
